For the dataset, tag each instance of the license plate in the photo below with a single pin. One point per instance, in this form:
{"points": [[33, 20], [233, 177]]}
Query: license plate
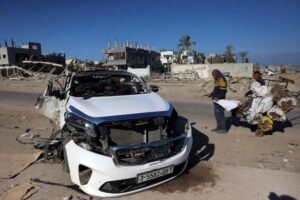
{"points": [[154, 174]]}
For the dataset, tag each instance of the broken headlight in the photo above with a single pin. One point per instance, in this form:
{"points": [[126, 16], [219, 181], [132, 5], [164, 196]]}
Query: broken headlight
{"points": [[77, 122], [178, 126]]}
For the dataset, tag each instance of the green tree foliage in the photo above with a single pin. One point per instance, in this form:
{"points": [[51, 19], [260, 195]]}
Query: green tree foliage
{"points": [[229, 56], [243, 56], [178, 58], [199, 57], [185, 42], [216, 59]]}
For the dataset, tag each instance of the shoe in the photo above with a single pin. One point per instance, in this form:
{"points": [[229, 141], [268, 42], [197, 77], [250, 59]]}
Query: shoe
{"points": [[222, 131], [215, 129]]}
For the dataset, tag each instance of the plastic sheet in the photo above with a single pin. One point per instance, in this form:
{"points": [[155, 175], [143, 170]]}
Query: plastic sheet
{"points": [[227, 104]]}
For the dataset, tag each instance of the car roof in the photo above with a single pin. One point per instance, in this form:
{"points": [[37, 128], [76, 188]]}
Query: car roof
{"points": [[102, 72]]}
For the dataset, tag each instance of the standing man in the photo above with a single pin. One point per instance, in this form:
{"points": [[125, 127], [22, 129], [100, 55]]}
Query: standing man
{"points": [[218, 93]]}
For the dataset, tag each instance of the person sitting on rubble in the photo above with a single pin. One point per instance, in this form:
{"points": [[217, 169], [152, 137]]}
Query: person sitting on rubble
{"points": [[259, 101], [258, 81], [219, 92], [255, 89]]}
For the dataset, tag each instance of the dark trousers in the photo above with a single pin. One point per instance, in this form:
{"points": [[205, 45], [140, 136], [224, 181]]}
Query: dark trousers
{"points": [[220, 117]]}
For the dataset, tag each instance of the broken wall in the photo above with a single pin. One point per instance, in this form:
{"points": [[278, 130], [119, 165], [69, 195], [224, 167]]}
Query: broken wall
{"points": [[204, 70]]}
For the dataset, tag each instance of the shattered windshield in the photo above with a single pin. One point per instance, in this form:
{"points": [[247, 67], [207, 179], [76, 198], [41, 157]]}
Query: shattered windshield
{"points": [[106, 85]]}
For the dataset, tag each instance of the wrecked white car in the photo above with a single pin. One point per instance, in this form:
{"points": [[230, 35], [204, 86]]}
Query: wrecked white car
{"points": [[116, 135]]}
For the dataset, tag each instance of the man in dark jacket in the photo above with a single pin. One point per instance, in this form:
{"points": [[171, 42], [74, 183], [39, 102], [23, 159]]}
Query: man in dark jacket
{"points": [[218, 93]]}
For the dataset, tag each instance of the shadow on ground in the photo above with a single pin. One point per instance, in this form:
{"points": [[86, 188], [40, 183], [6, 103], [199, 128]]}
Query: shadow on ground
{"points": [[201, 149], [274, 196], [196, 177], [44, 182], [277, 126]]}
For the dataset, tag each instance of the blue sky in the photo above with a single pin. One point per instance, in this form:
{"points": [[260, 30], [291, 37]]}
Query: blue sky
{"points": [[82, 28]]}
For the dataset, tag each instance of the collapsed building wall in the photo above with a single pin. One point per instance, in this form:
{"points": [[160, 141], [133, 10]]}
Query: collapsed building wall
{"points": [[15, 55], [204, 70], [13, 72]]}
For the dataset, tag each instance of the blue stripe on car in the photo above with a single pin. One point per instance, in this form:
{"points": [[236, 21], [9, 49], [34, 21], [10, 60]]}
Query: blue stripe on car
{"points": [[99, 120]]}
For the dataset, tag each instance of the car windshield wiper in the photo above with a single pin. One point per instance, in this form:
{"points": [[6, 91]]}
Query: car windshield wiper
{"points": [[87, 96]]}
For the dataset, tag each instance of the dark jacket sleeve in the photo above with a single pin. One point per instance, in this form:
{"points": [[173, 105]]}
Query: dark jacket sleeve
{"points": [[220, 89]]}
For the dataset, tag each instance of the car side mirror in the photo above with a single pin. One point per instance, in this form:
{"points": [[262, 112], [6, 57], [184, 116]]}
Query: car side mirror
{"points": [[154, 88]]}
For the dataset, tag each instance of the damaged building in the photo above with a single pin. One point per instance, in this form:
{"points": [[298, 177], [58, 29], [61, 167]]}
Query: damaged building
{"points": [[132, 57], [11, 54]]}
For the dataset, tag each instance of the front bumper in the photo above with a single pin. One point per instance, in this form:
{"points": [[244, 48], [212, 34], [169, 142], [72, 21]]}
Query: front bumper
{"points": [[105, 171]]}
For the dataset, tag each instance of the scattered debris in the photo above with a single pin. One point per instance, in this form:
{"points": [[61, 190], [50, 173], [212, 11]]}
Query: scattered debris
{"points": [[292, 145], [287, 103], [237, 86], [276, 114], [20, 192], [187, 75], [279, 92], [260, 165], [31, 70], [13, 72], [21, 162], [27, 137], [278, 153], [68, 197], [76, 197]]}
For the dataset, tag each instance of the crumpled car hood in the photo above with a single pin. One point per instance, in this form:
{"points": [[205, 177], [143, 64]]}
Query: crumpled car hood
{"points": [[114, 106]]}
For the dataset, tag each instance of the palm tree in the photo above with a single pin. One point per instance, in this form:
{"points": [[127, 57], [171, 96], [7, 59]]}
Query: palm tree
{"points": [[243, 55], [229, 55], [185, 42], [202, 57], [216, 59]]}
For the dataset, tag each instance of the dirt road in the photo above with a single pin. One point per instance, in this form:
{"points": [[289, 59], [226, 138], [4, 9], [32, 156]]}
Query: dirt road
{"points": [[237, 165]]}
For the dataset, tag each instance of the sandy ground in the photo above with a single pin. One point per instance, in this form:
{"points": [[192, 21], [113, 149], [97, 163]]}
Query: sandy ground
{"points": [[236, 165]]}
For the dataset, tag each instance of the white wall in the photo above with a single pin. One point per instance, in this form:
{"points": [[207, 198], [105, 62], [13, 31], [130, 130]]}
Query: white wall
{"points": [[164, 55], [204, 70], [141, 72]]}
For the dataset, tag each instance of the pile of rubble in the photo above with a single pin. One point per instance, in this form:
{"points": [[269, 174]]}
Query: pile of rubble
{"points": [[266, 105], [188, 75], [237, 86], [13, 72], [31, 70]]}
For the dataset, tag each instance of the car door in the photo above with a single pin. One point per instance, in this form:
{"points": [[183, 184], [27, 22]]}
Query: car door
{"points": [[52, 102]]}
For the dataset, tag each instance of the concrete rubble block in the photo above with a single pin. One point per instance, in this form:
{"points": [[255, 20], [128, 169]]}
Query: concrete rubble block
{"points": [[20, 192]]}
